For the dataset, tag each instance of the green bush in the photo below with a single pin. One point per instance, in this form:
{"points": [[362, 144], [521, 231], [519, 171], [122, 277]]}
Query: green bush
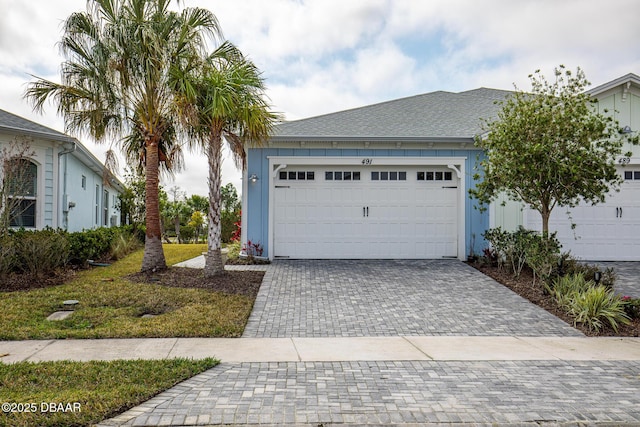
{"points": [[40, 252], [541, 254], [522, 248], [597, 306], [565, 288], [7, 256], [233, 250], [123, 244], [631, 307], [92, 244], [228, 221]]}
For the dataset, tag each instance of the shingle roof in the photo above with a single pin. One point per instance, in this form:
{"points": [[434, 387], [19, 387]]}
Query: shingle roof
{"points": [[435, 115], [11, 122]]}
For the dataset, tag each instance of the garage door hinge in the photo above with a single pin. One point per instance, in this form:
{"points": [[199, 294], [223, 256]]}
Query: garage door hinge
{"points": [[283, 186]]}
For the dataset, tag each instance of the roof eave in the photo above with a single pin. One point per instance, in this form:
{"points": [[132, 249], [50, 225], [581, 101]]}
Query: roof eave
{"points": [[378, 139]]}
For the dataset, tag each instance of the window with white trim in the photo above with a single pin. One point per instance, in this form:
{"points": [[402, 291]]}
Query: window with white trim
{"points": [[632, 175], [22, 190]]}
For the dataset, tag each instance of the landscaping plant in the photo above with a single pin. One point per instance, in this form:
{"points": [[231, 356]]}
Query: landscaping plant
{"points": [[598, 306]]}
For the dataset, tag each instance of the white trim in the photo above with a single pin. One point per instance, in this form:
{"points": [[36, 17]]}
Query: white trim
{"points": [[245, 208], [455, 163]]}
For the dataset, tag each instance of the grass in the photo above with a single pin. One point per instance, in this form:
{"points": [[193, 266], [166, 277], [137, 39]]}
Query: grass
{"points": [[111, 306], [92, 391]]}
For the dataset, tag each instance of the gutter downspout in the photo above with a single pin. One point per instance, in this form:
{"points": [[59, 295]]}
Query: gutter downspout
{"points": [[65, 202]]}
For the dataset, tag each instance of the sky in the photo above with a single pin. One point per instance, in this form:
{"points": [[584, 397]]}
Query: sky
{"points": [[322, 56]]}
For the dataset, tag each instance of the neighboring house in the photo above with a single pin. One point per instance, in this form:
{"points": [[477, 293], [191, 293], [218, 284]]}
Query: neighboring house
{"points": [[391, 180], [72, 189], [608, 231]]}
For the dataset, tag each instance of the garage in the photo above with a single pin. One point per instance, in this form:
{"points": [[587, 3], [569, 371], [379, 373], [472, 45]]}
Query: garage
{"points": [[375, 211], [605, 232]]}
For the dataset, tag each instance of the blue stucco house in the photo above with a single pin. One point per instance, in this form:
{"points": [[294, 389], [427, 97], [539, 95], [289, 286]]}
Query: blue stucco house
{"points": [[384, 181], [71, 188], [391, 180]]}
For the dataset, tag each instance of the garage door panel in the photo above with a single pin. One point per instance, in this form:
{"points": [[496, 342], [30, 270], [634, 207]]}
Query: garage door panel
{"points": [[604, 232], [365, 218]]}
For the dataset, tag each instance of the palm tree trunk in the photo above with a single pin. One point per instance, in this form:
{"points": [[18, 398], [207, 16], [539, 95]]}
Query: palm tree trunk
{"points": [[153, 259], [213, 263]]}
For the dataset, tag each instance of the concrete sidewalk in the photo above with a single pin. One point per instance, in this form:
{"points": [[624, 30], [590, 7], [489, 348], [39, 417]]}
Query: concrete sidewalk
{"points": [[329, 349]]}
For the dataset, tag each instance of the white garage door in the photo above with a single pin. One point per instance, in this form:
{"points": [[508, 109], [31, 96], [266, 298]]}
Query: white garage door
{"points": [[608, 231], [366, 212]]}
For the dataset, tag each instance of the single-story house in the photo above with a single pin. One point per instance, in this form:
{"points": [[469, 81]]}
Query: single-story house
{"points": [[391, 180], [71, 189]]}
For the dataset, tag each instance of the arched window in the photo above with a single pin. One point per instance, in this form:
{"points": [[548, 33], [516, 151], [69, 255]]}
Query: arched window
{"points": [[22, 180]]}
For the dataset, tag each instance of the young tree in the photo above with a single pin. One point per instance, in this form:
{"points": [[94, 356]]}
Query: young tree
{"points": [[230, 105], [549, 147], [124, 61]]}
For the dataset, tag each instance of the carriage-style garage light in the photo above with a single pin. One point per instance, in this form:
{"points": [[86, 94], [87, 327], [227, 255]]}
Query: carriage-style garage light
{"points": [[626, 129], [253, 178]]}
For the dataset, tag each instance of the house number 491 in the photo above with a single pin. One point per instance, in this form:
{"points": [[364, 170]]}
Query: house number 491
{"points": [[367, 161]]}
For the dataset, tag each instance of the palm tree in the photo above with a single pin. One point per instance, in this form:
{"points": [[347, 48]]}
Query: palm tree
{"points": [[124, 58], [231, 105]]}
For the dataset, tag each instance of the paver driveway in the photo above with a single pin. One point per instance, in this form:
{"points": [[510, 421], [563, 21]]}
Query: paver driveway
{"points": [[313, 298]]}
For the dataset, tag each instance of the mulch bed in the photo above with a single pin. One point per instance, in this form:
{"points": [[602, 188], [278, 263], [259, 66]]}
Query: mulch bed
{"points": [[25, 282], [524, 287], [230, 282]]}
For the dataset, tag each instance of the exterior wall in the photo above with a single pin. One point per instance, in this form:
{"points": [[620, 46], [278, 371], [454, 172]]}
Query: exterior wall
{"points": [[89, 208], [50, 191], [256, 208]]}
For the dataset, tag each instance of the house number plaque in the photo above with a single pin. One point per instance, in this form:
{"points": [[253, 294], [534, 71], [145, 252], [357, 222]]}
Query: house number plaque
{"points": [[367, 161]]}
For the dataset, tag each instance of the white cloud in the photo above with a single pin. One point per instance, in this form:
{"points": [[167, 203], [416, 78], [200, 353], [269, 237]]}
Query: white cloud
{"points": [[321, 56]]}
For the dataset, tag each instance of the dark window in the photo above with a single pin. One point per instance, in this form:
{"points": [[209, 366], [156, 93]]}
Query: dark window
{"points": [[356, 176], [448, 176], [375, 176], [438, 176], [328, 176], [402, 176], [283, 175], [384, 176], [346, 176], [24, 214], [302, 176], [22, 176], [393, 176], [292, 175], [636, 175], [429, 176], [420, 176], [337, 176], [311, 176]]}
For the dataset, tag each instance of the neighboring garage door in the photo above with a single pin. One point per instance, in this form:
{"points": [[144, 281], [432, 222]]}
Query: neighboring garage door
{"points": [[366, 212], [608, 231]]}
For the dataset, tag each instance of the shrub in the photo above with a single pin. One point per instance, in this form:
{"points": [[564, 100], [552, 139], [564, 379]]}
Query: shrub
{"points": [[229, 221], [233, 250], [7, 256], [123, 244], [631, 307], [91, 244], [541, 254], [565, 288], [40, 252], [596, 306]]}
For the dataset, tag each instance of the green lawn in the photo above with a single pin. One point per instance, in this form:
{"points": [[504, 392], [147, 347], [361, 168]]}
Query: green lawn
{"points": [[85, 393], [111, 306]]}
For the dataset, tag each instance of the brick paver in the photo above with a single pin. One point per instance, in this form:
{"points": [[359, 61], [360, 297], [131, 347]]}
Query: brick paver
{"points": [[386, 298], [312, 298], [471, 393]]}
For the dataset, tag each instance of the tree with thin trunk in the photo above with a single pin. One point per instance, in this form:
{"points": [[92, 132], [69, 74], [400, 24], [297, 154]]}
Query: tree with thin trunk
{"points": [[124, 59], [550, 147], [230, 105]]}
